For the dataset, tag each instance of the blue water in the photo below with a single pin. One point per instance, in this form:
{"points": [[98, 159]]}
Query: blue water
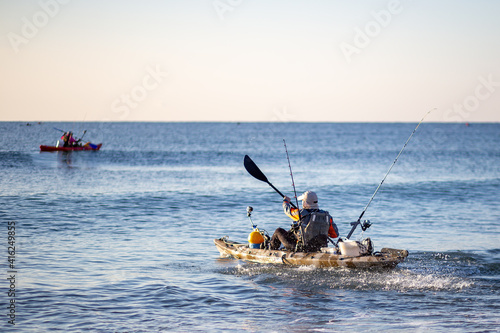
{"points": [[121, 240]]}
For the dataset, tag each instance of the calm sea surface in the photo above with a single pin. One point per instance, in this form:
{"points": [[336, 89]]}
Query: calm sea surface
{"points": [[121, 240]]}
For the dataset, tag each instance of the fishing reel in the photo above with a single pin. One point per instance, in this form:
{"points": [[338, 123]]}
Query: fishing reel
{"points": [[365, 225]]}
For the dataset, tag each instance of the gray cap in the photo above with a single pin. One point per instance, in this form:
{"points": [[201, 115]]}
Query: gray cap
{"points": [[309, 200]]}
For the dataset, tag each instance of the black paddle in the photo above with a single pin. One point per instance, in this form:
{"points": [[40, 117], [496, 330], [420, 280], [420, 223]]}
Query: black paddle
{"points": [[82, 136], [254, 170]]}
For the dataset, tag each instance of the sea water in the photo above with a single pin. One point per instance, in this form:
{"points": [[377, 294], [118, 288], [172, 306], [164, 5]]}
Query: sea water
{"points": [[121, 240]]}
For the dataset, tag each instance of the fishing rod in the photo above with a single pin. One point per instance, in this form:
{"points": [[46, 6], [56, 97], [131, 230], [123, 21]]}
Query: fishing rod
{"points": [[296, 199], [293, 183], [365, 225]]}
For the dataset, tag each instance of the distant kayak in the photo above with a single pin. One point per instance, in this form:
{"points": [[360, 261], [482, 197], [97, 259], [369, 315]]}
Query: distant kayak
{"points": [[87, 146]]}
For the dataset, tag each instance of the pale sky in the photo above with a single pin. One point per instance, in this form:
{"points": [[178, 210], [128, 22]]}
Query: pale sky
{"points": [[242, 60]]}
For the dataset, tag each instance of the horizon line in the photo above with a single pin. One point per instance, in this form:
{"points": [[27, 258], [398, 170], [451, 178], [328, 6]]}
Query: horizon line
{"points": [[39, 122]]}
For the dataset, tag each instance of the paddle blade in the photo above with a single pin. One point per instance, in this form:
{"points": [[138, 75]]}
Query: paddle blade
{"points": [[253, 169]]}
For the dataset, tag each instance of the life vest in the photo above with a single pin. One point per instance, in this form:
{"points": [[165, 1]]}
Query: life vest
{"points": [[318, 224]]}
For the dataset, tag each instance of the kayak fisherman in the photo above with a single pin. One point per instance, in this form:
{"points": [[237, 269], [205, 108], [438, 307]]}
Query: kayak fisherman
{"points": [[65, 139], [313, 229], [69, 140]]}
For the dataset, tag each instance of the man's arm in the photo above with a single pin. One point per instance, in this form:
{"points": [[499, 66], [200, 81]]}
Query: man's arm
{"points": [[291, 212]]}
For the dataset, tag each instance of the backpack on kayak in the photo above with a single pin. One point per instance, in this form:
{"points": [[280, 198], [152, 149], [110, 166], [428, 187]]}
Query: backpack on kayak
{"points": [[314, 233]]}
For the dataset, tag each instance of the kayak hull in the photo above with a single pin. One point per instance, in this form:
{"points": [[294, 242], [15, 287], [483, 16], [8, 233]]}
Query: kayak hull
{"points": [[386, 258], [85, 147]]}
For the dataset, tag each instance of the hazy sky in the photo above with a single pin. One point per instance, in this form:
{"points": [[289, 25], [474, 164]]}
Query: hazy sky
{"points": [[242, 60]]}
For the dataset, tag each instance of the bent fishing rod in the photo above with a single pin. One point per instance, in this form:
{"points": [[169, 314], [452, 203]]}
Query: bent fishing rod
{"points": [[366, 225]]}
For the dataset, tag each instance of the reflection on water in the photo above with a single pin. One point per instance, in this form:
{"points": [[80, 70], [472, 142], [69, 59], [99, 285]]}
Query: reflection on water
{"points": [[65, 158]]}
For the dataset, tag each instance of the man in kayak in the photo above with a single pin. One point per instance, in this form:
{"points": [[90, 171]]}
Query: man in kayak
{"points": [[69, 140], [310, 229]]}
